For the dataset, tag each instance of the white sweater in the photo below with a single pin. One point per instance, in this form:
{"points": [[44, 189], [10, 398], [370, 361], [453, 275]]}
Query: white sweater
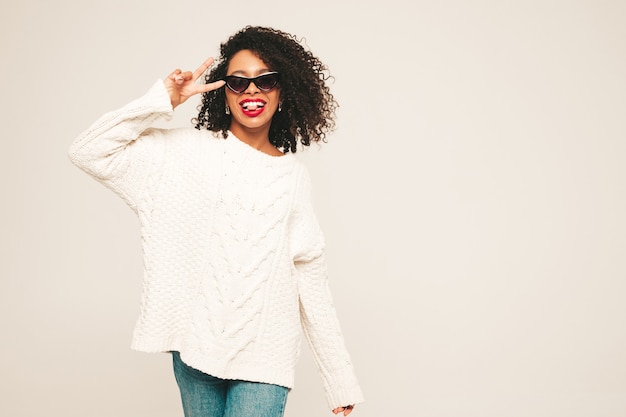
{"points": [[233, 254]]}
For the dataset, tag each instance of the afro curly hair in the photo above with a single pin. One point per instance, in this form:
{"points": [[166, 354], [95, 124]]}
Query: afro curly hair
{"points": [[308, 107]]}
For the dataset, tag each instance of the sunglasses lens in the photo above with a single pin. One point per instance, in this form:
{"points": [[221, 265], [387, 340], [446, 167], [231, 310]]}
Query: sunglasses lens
{"points": [[266, 82], [237, 84]]}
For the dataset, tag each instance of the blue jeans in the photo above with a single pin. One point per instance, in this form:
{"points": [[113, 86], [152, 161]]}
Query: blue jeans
{"points": [[207, 396]]}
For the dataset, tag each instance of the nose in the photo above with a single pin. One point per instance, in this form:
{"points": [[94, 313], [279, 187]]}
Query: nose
{"points": [[252, 88]]}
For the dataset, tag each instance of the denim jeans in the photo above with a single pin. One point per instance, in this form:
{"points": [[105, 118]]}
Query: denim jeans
{"points": [[207, 396]]}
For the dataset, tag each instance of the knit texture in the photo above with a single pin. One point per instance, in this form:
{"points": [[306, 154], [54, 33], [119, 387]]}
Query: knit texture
{"points": [[233, 253]]}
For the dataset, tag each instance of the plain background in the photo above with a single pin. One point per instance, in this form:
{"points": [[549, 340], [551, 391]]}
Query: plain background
{"points": [[473, 200]]}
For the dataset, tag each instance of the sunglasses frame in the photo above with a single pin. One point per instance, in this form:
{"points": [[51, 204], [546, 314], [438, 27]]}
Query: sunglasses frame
{"points": [[252, 80]]}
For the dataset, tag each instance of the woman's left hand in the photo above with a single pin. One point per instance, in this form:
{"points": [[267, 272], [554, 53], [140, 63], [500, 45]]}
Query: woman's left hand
{"points": [[346, 410]]}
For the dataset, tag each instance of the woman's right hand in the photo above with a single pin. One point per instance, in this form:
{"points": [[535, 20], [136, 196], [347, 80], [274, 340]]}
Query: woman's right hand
{"points": [[182, 85], [345, 410]]}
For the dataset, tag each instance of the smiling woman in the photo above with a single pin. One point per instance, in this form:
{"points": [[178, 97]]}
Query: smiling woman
{"points": [[306, 108], [252, 109], [233, 254]]}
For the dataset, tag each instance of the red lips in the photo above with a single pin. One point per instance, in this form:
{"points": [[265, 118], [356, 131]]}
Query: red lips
{"points": [[252, 107]]}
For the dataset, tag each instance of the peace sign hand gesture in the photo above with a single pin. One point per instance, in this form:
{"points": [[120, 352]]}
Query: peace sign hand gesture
{"points": [[182, 85]]}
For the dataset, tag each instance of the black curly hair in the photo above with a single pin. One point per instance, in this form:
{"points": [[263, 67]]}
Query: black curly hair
{"points": [[308, 107]]}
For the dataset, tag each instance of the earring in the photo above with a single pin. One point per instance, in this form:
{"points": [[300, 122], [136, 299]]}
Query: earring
{"points": [[280, 106], [227, 109]]}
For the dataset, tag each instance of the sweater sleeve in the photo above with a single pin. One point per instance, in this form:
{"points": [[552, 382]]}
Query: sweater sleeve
{"points": [[323, 332], [119, 149], [318, 315]]}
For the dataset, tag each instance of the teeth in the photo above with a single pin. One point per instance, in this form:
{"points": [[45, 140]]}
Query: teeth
{"points": [[252, 105]]}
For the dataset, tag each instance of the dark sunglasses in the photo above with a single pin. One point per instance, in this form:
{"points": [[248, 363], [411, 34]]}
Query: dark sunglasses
{"points": [[264, 82]]}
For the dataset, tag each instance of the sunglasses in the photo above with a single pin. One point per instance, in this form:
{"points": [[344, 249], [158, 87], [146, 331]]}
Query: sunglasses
{"points": [[264, 82]]}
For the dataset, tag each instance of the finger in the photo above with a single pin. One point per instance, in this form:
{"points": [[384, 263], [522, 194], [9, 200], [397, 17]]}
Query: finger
{"points": [[183, 77], [174, 74], [180, 77], [204, 88], [176, 77], [202, 68]]}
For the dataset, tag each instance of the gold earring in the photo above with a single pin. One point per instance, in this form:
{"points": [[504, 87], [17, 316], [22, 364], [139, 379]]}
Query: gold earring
{"points": [[227, 109]]}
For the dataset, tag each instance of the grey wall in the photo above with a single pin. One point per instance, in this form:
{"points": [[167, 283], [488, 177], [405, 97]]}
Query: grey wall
{"points": [[472, 197]]}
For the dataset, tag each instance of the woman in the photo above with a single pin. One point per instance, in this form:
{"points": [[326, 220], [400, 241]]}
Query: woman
{"points": [[233, 254]]}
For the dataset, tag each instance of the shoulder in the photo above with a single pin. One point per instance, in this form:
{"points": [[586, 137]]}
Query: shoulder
{"points": [[302, 173], [301, 183], [193, 134], [179, 144], [183, 136]]}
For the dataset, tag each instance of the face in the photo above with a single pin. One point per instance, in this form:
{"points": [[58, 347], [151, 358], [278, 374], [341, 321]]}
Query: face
{"points": [[251, 110]]}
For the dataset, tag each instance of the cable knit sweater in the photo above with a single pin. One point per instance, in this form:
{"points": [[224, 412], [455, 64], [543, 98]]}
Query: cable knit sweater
{"points": [[233, 254]]}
